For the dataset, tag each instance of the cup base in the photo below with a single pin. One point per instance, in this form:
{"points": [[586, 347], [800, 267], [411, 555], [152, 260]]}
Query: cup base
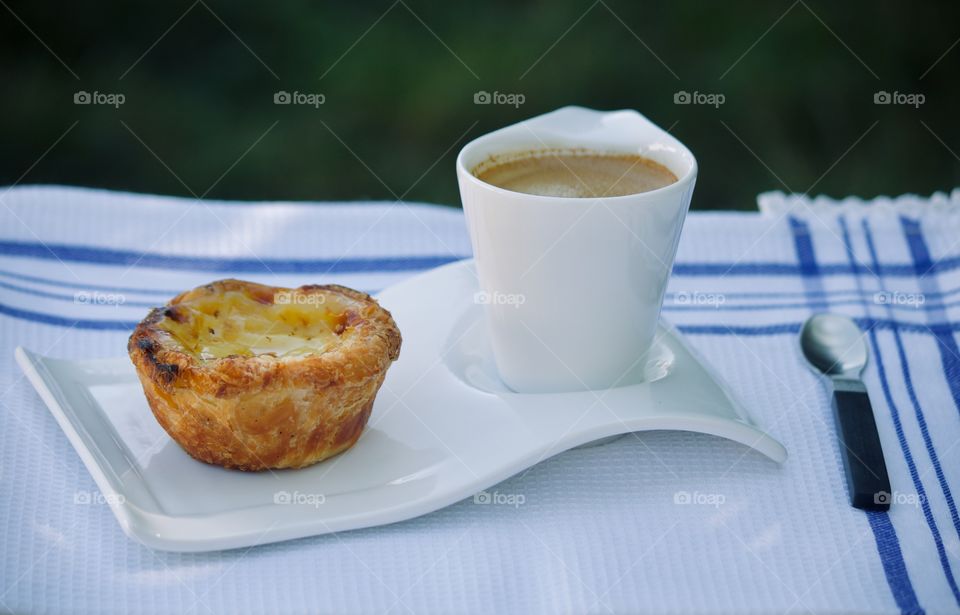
{"points": [[469, 356]]}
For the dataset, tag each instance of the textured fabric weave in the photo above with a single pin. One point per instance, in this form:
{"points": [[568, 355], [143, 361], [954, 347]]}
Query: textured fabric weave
{"points": [[659, 522]]}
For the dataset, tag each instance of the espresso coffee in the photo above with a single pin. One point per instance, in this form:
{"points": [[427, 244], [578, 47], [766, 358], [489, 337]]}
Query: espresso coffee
{"points": [[574, 173]]}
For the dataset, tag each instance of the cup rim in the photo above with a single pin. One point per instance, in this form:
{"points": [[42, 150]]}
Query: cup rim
{"points": [[682, 180]]}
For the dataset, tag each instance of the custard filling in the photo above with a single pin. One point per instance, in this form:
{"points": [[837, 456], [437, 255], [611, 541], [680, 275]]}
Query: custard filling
{"points": [[234, 323]]}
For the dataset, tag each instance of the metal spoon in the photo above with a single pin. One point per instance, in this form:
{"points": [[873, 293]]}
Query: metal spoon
{"points": [[834, 346]]}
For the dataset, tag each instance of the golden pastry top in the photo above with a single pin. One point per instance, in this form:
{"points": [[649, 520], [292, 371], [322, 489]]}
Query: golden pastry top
{"points": [[259, 320], [256, 377]]}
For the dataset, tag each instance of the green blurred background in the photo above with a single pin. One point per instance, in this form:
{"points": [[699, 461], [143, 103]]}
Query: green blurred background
{"points": [[399, 79]]}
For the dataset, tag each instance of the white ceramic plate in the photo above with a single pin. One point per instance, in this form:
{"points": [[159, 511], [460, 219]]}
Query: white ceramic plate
{"points": [[443, 428]]}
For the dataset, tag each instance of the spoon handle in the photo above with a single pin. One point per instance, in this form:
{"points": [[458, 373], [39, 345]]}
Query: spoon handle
{"points": [[867, 479]]}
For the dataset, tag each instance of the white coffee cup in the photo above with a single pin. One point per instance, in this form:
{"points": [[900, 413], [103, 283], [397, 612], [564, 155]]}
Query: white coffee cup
{"points": [[573, 287]]}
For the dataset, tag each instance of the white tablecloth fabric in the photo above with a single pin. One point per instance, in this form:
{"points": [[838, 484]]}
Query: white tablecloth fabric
{"points": [[661, 522]]}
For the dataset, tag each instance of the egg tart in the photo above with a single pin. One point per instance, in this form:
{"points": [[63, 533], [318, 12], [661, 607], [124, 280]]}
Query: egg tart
{"points": [[257, 377]]}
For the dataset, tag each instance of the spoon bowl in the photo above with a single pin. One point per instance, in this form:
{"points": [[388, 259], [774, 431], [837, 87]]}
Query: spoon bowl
{"points": [[834, 345]]}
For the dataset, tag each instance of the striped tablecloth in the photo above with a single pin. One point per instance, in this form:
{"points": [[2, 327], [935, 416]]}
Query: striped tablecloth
{"points": [[659, 522]]}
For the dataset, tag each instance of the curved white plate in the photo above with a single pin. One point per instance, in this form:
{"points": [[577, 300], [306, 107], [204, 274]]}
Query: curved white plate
{"points": [[442, 429]]}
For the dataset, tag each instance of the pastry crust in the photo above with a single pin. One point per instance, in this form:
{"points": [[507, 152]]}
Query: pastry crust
{"points": [[258, 377]]}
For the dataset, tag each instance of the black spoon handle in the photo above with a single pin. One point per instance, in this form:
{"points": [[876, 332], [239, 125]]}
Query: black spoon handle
{"points": [[867, 479]]}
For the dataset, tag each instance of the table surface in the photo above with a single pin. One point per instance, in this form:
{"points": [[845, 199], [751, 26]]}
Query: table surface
{"points": [[656, 522]]}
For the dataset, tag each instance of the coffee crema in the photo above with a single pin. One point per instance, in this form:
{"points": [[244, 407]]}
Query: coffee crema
{"points": [[574, 173]]}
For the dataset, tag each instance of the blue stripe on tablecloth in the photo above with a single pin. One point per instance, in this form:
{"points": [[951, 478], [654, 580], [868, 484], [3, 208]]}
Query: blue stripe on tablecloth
{"points": [[75, 298], [131, 258], [672, 305], [59, 283], [812, 303], [83, 286], [924, 266], [895, 414], [803, 244], [62, 321], [948, 357], [894, 567], [784, 328], [78, 297], [832, 293], [104, 256], [921, 493], [888, 543], [788, 269]]}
